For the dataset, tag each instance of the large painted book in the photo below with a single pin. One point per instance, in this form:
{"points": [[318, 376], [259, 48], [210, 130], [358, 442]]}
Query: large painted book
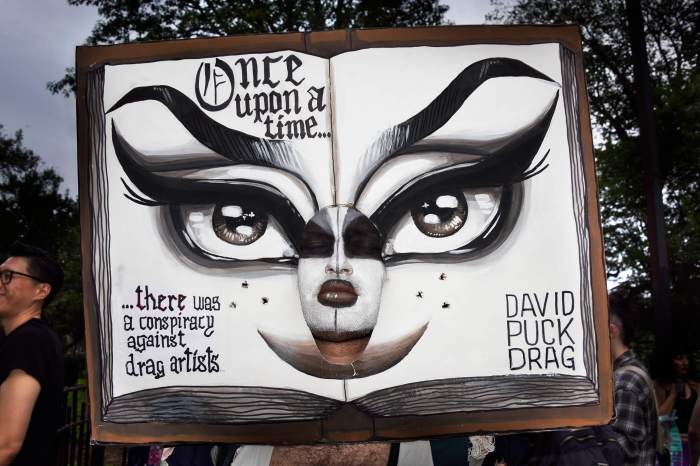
{"points": [[341, 236]]}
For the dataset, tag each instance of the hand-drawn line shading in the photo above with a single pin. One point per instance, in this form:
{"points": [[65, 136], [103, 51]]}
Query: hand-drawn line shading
{"points": [[241, 405], [98, 192], [580, 209], [219, 405], [479, 394]]}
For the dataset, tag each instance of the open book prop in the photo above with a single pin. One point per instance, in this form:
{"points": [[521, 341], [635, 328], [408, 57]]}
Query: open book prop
{"points": [[341, 236]]}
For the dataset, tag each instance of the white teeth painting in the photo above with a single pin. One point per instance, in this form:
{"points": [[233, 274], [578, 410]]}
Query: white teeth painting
{"points": [[302, 238]]}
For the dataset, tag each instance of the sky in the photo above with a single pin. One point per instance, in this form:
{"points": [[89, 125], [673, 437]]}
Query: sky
{"points": [[38, 40]]}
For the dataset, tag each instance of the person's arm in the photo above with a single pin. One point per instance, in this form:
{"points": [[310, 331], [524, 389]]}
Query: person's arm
{"points": [[18, 394], [629, 421], [665, 402], [694, 433]]}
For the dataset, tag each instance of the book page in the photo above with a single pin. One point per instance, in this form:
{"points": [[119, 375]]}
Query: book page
{"points": [[214, 166], [459, 157]]}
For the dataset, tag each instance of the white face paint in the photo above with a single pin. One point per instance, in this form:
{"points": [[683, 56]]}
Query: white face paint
{"points": [[341, 323], [340, 293]]}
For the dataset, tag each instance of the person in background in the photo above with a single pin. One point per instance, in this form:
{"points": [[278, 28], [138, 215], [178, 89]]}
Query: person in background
{"points": [[676, 392], [694, 434], [635, 421], [31, 361]]}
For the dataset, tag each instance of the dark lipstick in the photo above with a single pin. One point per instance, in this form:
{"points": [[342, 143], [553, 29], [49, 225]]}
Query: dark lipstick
{"points": [[337, 293]]}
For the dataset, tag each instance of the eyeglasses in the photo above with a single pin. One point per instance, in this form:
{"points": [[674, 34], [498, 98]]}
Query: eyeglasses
{"points": [[6, 276]]}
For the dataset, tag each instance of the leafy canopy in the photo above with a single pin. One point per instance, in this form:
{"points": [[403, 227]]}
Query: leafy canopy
{"points": [[150, 20], [673, 46]]}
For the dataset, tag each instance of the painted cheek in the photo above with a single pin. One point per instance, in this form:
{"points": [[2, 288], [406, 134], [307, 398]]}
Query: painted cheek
{"points": [[370, 274], [310, 276]]}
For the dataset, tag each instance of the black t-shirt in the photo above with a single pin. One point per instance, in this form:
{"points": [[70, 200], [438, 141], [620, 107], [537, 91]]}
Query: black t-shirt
{"points": [[35, 349]]}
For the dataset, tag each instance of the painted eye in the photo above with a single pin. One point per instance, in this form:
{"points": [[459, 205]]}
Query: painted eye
{"points": [[232, 231], [447, 221], [238, 224], [441, 216]]}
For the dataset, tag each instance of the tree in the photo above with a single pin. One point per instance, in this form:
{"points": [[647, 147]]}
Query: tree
{"points": [[151, 20], [33, 210], [673, 45]]}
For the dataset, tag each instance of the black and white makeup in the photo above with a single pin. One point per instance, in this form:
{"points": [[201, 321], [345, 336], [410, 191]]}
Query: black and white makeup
{"points": [[340, 268], [415, 195]]}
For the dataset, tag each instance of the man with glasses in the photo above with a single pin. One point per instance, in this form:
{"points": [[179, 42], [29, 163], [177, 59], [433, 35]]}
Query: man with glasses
{"points": [[31, 361]]}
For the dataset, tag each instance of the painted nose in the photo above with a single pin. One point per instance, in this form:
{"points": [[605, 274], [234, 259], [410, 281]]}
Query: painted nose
{"points": [[339, 264], [338, 269]]}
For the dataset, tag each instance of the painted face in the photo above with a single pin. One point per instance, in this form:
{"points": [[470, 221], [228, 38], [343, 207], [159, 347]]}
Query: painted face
{"points": [[341, 274], [416, 194]]}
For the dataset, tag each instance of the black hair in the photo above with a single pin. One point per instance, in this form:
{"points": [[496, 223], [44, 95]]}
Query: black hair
{"points": [[619, 312], [41, 265]]}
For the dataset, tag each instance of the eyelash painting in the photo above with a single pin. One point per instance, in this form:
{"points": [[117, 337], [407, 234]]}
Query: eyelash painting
{"points": [[361, 238]]}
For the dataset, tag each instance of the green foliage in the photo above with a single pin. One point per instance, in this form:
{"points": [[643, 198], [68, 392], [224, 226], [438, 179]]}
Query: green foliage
{"points": [[673, 46], [33, 210], [149, 20]]}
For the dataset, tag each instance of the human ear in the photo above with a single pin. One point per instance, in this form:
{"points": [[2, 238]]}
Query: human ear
{"points": [[42, 291]]}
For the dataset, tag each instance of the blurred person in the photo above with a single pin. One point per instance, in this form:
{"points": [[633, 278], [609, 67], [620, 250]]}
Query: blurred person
{"points": [[694, 434], [676, 394], [31, 360], [635, 421], [675, 390]]}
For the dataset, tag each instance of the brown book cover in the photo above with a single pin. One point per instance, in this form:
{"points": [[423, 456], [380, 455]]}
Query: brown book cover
{"points": [[341, 236]]}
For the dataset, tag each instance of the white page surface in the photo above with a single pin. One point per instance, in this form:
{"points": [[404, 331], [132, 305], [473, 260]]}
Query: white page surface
{"points": [[235, 302], [465, 303]]}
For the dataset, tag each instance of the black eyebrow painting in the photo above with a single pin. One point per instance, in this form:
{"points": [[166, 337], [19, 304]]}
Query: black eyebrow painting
{"points": [[237, 146], [231, 147], [398, 139]]}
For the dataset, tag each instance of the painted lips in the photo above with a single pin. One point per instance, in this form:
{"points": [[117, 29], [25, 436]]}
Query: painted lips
{"points": [[337, 293]]}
